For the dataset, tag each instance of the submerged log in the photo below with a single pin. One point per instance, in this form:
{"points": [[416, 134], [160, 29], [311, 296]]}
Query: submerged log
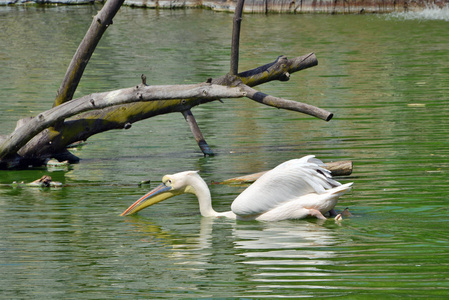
{"points": [[338, 168]]}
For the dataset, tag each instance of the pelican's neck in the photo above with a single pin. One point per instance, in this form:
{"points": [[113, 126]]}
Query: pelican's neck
{"points": [[202, 192]]}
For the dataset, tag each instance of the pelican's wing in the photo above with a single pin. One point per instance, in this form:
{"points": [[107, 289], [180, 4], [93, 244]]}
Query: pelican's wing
{"points": [[286, 182]]}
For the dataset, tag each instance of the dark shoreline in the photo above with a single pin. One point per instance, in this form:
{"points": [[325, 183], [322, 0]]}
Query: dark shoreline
{"points": [[263, 6]]}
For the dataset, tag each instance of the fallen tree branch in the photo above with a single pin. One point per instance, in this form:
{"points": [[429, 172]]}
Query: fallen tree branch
{"points": [[52, 141], [84, 125]]}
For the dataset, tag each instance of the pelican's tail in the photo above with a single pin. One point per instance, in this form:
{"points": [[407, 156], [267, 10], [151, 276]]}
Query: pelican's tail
{"points": [[340, 190]]}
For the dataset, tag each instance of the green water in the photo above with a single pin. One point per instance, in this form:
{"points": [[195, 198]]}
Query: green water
{"points": [[385, 78]]}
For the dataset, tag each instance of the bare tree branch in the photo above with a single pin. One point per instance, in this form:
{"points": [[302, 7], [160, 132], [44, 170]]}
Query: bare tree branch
{"points": [[286, 104], [280, 69], [235, 44], [95, 119], [84, 52], [88, 123]]}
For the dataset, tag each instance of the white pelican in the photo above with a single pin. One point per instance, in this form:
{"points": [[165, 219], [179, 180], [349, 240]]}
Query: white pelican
{"points": [[293, 190]]}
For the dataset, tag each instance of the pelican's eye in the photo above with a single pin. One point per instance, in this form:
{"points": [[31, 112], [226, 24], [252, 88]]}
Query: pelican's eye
{"points": [[168, 182]]}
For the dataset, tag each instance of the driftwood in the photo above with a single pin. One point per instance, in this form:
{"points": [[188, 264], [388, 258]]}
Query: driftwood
{"points": [[37, 139], [338, 168]]}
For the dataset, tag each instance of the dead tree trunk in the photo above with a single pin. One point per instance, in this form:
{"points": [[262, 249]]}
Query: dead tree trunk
{"points": [[47, 135]]}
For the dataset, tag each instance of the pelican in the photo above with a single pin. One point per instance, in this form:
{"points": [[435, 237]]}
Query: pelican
{"points": [[295, 189]]}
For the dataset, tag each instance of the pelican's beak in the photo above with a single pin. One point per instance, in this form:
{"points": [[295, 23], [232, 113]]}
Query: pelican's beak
{"points": [[156, 195]]}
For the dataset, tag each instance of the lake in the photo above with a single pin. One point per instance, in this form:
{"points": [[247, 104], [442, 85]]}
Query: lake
{"points": [[385, 78]]}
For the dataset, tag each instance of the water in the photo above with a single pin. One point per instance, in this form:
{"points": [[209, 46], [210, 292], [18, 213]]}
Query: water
{"points": [[384, 77], [431, 12]]}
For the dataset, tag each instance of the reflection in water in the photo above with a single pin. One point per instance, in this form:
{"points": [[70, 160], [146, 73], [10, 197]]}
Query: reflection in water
{"points": [[154, 233], [274, 252], [283, 236], [286, 253]]}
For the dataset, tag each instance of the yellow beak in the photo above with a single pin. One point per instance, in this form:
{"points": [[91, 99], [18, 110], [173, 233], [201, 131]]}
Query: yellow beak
{"points": [[160, 193]]}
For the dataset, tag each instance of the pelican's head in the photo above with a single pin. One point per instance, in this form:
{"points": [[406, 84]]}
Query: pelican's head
{"points": [[172, 185]]}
